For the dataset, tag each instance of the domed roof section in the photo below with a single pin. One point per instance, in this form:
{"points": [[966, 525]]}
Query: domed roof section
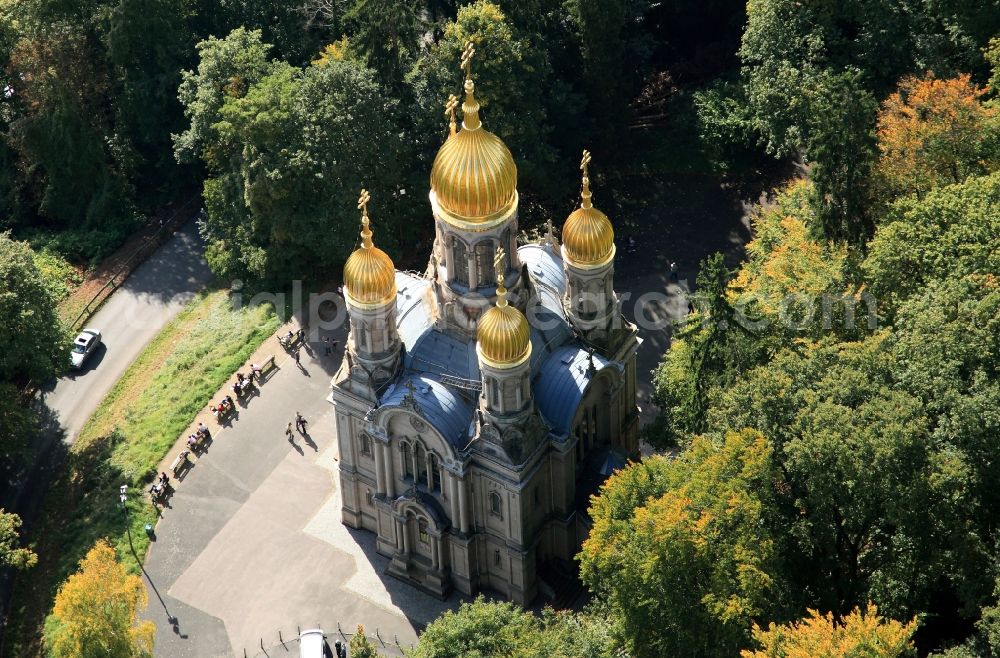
{"points": [[588, 237], [474, 176], [503, 338], [369, 274]]}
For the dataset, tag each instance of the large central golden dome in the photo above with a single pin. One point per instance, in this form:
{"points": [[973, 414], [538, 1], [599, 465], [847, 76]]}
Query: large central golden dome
{"points": [[369, 275], [588, 238], [474, 176]]}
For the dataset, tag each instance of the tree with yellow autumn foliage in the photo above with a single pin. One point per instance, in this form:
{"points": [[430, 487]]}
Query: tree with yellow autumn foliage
{"points": [[862, 634], [934, 132], [96, 612]]}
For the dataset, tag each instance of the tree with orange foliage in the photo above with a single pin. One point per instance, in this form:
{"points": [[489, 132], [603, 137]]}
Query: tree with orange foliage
{"points": [[96, 612], [819, 636], [934, 132]]}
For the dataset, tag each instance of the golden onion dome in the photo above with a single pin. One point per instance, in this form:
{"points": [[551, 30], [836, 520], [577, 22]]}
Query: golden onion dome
{"points": [[474, 176], [503, 338], [369, 275], [588, 238]]}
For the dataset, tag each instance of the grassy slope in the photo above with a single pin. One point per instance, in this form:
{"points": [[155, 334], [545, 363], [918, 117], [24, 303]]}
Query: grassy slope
{"points": [[123, 442]]}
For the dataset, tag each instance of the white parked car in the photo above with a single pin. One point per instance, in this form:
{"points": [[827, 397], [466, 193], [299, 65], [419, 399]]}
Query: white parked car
{"points": [[83, 346]]}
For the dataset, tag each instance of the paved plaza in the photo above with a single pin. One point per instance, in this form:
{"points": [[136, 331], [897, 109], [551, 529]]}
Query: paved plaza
{"points": [[252, 543]]}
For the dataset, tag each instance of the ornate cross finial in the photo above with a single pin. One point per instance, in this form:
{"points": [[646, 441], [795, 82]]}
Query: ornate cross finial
{"points": [[366, 232], [363, 202], [498, 267], [449, 111], [467, 54], [585, 168], [549, 234]]}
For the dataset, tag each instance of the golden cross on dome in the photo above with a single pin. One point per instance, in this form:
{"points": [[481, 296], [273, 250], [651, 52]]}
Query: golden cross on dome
{"points": [[498, 262], [366, 232], [467, 54], [449, 111], [363, 202], [585, 168]]}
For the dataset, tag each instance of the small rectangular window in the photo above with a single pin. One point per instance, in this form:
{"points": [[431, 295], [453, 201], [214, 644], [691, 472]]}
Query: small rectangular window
{"points": [[369, 497], [497, 560]]}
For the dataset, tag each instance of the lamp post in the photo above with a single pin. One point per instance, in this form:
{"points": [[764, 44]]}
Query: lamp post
{"points": [[123, 496]]}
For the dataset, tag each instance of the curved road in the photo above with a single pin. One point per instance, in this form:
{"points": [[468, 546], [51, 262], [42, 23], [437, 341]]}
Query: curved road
{"points": [[134, 314]]}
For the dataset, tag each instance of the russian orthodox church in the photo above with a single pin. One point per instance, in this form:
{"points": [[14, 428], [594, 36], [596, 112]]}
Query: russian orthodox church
{"points": [[481, 403]]}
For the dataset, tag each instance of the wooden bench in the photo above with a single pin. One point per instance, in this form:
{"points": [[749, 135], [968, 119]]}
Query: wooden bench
{"points": [[265, 367], [180, 463]]}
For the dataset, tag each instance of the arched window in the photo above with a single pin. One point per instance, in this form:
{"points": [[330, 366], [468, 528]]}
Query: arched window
{"points": [[422, 532], [434, 472], [484, 263], [460, 262], [496, 505], [407, 459], [494, 386], [366, 445], [420, 456]]}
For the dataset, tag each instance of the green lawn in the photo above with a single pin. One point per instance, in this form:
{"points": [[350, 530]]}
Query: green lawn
{"points": [[122, 443]]}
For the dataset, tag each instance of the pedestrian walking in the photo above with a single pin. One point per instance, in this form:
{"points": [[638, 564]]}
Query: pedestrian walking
{"points": [[302, 336], [333, 344], [673, 271], [300, 423], [297, 362], [327, 349], [289, 434]]}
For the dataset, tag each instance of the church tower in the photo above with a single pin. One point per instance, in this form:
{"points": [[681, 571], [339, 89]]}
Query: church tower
{"points": [[370, 292], [588, 251], [474, 201]]}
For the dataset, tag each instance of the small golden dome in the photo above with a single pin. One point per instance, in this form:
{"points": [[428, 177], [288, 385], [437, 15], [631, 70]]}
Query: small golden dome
{"points": [[503, 338], [474, 176], [369, 275], [588, 238]]}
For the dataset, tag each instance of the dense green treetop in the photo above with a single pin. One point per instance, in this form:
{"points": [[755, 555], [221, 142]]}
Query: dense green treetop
{"points": [[495, 629], [682, 550], [35, 345], [11, 552], [288, 150]]}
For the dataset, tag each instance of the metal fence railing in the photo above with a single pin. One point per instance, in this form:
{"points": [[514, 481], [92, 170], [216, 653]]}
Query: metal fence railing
{"points": [[289, 645], [144, 251]]}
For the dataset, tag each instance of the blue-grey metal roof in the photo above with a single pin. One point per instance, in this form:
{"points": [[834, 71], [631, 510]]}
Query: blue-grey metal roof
{"points": [[558, 362], [545, 266], [449, 413], [442, 354], [559, 385], [413, 318]]}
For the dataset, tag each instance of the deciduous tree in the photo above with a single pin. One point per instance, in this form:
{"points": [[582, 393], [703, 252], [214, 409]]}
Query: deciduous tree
{"points": [[934, 132], [11, 552], [683, 551], [861, 633], [96, 613]]}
